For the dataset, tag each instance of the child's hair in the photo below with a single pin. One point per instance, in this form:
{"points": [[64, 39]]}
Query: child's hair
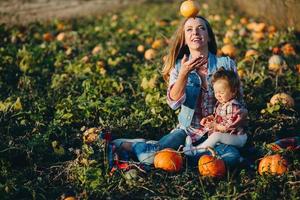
{"points": [[230, 76]]}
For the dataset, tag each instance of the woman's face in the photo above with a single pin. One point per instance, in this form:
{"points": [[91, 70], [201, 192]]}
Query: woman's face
{"points": [[196, 35]]}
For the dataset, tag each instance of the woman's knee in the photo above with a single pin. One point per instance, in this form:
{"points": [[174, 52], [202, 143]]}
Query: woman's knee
{"points": [[174, 139], [229, 154]]}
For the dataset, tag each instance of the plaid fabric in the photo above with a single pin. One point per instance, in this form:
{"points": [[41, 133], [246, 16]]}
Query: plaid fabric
{"points": [[232, 115], [291, 143], [205, 107]]}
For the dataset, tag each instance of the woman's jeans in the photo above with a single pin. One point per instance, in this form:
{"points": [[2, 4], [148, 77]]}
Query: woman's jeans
{"points": [[145, 150]]}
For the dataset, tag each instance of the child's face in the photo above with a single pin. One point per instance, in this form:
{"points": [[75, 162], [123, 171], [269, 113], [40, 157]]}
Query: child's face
{"points": [[222, 90]]}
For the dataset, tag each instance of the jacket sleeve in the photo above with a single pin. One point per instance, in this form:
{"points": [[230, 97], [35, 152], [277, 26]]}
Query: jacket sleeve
{"points": [[174, 104]]}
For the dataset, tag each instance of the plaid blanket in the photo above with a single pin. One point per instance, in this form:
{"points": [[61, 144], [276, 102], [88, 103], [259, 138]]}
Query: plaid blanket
{"points": [[291, 143]]}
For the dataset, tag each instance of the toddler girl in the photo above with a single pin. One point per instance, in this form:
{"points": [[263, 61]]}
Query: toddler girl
{"points": [[226, 124]]}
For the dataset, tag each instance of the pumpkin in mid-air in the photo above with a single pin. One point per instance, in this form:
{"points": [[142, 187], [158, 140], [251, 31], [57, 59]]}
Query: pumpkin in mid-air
{"points": [[189, 8]]}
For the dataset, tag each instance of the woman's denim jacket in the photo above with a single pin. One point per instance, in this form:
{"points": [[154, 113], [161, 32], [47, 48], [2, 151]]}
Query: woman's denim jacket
{"points": [[192, 90]]}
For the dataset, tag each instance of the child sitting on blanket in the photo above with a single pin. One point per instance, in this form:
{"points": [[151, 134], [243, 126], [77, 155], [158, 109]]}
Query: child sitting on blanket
{"points": [[226, 124]]}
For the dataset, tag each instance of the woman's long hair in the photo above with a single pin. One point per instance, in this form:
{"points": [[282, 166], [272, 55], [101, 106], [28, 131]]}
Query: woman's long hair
{"points": [[178, 48]]}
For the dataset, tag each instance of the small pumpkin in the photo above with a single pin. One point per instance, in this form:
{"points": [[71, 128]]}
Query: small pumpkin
{"points": [[282, 98], [168, 160], [258, 36], [61, 37], [157, 44], [210, 165], [229, 50], [96, 50], [273, 164], [48, 37], [91, 135], [288, 49], [244, 21], [140, 48], [259, 27], [276, 64], [298, 68], [150, 54], [189, 8], [251, 53]]}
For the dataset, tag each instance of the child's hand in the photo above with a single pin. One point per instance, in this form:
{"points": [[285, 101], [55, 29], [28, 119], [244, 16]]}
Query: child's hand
{"points": [[207, 121], [220, 128]]}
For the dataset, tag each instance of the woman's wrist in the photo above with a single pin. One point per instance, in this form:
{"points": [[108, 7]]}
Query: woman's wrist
{"points": [[183, 74]]}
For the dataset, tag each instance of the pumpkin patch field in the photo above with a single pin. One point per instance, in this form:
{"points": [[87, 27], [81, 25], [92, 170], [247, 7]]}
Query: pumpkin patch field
{"points": [[63, 82]]}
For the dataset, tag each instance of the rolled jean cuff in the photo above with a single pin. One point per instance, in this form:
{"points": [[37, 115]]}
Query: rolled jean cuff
{"points": [[145, 152]]}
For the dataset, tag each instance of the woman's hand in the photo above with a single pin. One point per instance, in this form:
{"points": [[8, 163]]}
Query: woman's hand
{"points": [[189, 65], [178, 89]]}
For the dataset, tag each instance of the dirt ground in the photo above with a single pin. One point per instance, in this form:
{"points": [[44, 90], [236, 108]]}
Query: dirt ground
{"points": [[281, 13], [24, 11]]}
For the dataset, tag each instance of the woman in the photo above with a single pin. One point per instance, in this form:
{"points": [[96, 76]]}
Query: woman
{"points": [[188, 70]]}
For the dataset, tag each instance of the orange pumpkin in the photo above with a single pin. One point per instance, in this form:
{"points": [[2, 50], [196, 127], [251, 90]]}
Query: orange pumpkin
{"points": [[229, 50], [157, 44], [251, 53], [48, 37], [189, 8], [288, 49], [298, 68], [168, 160], [150, 54], [258, 36], [140, 48], [274, 164], [244, 21], [210, 165]]}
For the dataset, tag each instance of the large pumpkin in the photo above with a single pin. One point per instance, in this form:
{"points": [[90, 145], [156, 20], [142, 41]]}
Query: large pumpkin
{"points": [[189, 8], [168, 160], [274, 164], [210, 165]]}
